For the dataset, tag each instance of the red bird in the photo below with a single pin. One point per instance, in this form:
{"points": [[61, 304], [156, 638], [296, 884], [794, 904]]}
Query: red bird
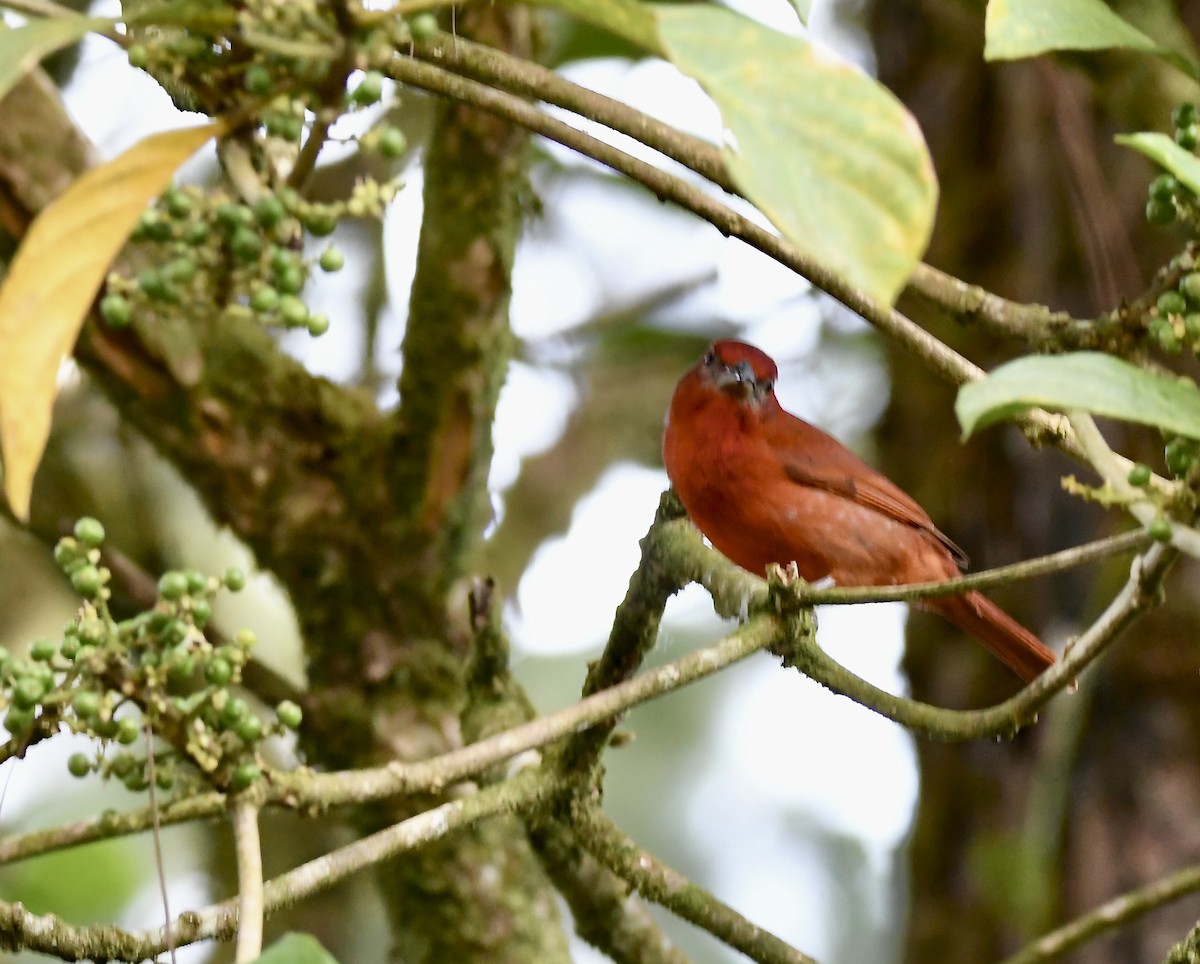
{"points": [[765, 486]]}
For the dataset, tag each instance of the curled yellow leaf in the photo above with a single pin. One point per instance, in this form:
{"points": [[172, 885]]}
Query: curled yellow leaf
{"points": [[53, 280]]}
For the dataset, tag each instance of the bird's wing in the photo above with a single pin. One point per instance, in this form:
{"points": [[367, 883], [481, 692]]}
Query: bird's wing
{"points": [[814, 458]]}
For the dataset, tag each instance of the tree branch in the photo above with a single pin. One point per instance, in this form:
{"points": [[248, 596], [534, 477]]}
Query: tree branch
{"points": [[657, 882]]}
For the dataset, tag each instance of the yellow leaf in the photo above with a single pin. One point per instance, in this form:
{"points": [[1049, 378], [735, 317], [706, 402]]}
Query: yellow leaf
{"points": [[53, 280]]}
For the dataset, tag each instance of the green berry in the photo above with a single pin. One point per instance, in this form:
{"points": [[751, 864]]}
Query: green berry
{"points": [[230, 215], [18, 721], [197, 582], [319, 222], [138, 55], [318, 325], [290, 281], [1160, 211], [424, 26], [196, 233], [289, 714], [1171, 303], [164, 779], [66, 552], [245, 639], [116, 310], [264, 300], [89, 532], [1160, 529], [249, 728], [370, 90], [244, 775], [1189, 287], [1184, 115], [1164, 334], [86, 704], [392, 142], [155, 286], [177, 203], [87, 581], [136, 781], [293, 311], [70, 646], [174, 631], [43, 650], [1164, 187], [332, 259], [245, 243], [281, 259], [269, 210], [1188, 137], [180, 664], [258, 80], [291, 128], [180, 269], [79, 765], [201, 612], [152, 226], [1139, 475], [1191, 325], [128, 731], [172, 585], [235, 709], [234, 579], [1181, 454], [27, 692], [122, 765], [218, 672]]}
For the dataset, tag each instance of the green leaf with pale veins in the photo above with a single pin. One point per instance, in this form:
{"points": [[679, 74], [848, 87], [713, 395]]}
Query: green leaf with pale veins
{"points": [[52, 282], [1027, 28], [1092, 381], [829, 155], [1158, 147], [23, 48]]}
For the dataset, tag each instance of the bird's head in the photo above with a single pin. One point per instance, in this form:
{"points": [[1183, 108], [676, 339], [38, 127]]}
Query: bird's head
{"points": [[739, 370]]}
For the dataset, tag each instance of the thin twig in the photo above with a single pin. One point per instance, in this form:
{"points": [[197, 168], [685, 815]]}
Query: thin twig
{"points": [[250, 911], [1106, 462], [158, 853], [664, 885], [1109, 916], [1138, 595], [946, 362], [1030, 322]]}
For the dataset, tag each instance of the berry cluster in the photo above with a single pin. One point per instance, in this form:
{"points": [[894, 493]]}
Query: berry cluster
{"points": [[1169, 200], [157, 671]]}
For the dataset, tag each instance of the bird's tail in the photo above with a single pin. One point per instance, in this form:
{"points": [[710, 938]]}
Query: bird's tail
{"points": [[1008, 640]]}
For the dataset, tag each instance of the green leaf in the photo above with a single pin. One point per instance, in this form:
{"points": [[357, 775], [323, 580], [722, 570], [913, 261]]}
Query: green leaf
{"points": [[1092, 381], [1169, 155], [52, 282], [626, 18], [21, 49], [296, 949], [1026, 28], [830, 156]]}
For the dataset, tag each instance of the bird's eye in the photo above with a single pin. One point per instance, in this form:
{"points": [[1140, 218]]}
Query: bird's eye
{"points": [[710, 357], [766, 385]]}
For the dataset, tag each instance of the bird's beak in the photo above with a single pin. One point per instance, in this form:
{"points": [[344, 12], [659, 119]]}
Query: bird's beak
{"points": [[737, 380]]}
